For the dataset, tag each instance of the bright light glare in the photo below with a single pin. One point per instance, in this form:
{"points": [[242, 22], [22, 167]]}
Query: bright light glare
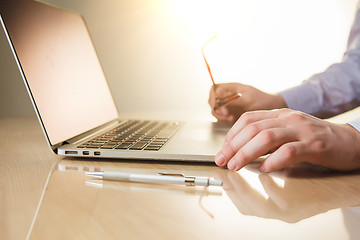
{"points": [[272, 45], [157, 44], [252, 179]]}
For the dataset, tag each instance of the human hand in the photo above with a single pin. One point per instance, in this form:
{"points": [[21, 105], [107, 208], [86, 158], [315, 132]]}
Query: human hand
{"points": [[290, 136], [294, 200], [251, 99]]}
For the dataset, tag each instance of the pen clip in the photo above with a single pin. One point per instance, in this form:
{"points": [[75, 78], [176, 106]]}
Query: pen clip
{"points": [[189, 181]]}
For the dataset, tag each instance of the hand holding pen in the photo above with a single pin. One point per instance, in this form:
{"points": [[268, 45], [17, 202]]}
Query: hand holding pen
{"points": [[223, 98]]}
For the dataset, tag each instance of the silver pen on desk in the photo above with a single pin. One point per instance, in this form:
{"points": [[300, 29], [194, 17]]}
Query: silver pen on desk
{"points": [[162, 178]]}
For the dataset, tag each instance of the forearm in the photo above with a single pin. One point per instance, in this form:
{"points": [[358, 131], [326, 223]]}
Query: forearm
{"points": [[335, 90], [331, 92]]}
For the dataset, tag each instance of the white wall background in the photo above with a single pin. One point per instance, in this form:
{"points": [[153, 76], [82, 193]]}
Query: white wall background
{"points": [[151, 49]]}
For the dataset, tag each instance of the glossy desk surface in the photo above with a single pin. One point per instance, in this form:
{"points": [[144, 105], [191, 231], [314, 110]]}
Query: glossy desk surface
{"points": [[44, 196]]}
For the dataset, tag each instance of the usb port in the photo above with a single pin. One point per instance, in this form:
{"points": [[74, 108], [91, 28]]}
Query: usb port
{"points": [[71, 152], [85, 152], [97, 153]]}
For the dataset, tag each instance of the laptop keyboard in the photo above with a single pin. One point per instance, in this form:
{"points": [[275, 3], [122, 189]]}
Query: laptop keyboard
{"points": [[135, 135]]}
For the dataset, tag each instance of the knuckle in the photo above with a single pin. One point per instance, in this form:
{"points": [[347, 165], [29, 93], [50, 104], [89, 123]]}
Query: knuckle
{"points": [[319, 146], [267, 136], [292, 115], [253, 128], [246, 117], [231, 147], [240, 158], [289, 152], [295, 116], [228, 149], [283, 111]]}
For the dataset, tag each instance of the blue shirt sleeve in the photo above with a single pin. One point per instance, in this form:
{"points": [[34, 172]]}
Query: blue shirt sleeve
{"points": [[335, 90]]}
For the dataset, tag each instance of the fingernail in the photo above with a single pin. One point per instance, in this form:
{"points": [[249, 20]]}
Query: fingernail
{"points": [[262, 169], [232, 165], [219, 159]]}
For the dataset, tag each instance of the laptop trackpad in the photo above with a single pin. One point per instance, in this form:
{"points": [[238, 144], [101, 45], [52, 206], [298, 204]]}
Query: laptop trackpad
{"points": [[198, 138]]}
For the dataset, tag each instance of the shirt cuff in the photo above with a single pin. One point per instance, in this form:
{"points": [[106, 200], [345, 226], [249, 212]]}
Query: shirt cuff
{"points": [[303, 98], [355, 123]]}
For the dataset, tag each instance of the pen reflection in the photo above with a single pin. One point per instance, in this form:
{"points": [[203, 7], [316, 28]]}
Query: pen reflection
{"points": [[156, 188], [113, 188], [306, 192], [290, 195]]}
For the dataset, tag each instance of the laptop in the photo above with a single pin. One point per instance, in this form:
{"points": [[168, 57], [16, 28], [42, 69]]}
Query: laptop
{"points": [[65, 81]]}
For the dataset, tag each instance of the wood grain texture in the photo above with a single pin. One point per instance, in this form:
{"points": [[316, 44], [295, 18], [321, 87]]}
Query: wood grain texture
{"points": [[299, 202], [25, 162]]}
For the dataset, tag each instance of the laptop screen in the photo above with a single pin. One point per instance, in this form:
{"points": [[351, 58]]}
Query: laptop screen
{"points": [[61, 68]]}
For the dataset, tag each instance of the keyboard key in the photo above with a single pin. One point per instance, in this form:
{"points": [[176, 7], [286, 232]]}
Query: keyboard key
{"points": [[119, 138], [155, 145], [138, 145], [152, 148], [139, 132], [159, 140], [131, 139], [123, 146], [92, 146], [107, 147]]}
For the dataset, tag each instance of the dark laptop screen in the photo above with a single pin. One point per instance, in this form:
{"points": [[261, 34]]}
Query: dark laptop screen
{"points": [[60, 66]]}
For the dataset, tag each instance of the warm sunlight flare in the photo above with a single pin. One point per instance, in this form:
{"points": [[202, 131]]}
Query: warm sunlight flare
{"points": [[269, 44], [272, 45]]}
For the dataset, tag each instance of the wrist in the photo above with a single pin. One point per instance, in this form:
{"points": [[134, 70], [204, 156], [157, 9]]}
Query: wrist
{"points": [[278, 102], [355, 137]]}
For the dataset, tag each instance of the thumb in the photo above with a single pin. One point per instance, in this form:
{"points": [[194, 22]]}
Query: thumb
{"points": [[223, 90]]}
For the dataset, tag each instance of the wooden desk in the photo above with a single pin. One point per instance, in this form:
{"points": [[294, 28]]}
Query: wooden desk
{"points": [[44, 196]]}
